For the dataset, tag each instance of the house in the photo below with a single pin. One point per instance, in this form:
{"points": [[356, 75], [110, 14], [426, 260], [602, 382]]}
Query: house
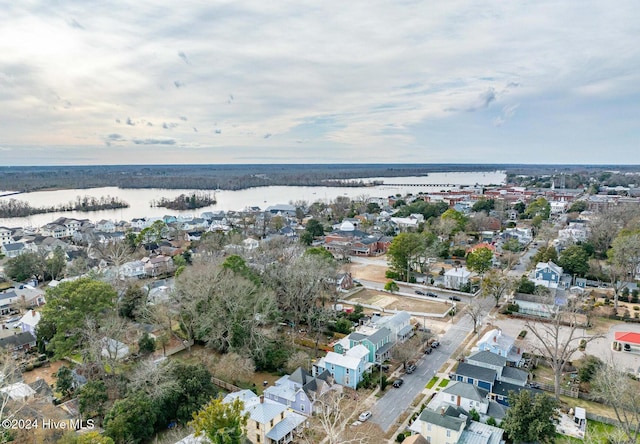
{"points": [[19, 341], [456, 278], [469, 397], [158, 265], [497, 342], [344, 281], [399, 324], [547, 274], [13, 250], [29, 321], [5, 236], [106, 226], [282, 209], [18, 391], [444, 426], [346, 368], [300, 390], [269, 422], [347, 240], [452, 425], [133, 269], [376, 340]]}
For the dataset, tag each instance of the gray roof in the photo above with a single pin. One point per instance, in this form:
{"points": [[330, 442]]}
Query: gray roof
{"points": [[18, 340], [503, 388], [467, 391], [17, 246], [286, 426], [379, 335], [476, 372], [8, 295], [516, 374], [437, 418], [478, 433], [386, 347], [486, 357], [300, 375], [355, 336], [496, 410], [264, 412]]}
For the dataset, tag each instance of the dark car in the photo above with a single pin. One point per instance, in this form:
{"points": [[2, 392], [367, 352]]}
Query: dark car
{"points": [[397, 383], [428, 351], [435, 344], [433, 295], [454, 298], [627, 347], [410, 369], [421, 293]]}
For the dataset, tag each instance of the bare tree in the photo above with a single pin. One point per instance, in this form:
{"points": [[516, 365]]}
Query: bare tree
{"points": [[233, 367], [104, 343], [495, 284], [334, 410], [613, 387], [476, 312], [625, 261], [404, 351], [298, 359], [153, 379], [558, 337]]}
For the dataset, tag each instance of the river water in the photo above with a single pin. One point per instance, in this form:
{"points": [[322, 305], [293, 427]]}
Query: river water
{"points": [[140, 199]]}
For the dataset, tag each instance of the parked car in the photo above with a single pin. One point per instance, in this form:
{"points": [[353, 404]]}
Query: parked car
{"points": [[429, 350], [397, 383], [627, 347], [433, 295], [435, 344], [454, 298], [383, 367], [410, 369], [364, 416], [421, 293]]}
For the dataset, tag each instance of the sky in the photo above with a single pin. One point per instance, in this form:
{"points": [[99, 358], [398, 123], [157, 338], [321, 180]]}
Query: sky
{"points": [[279, 81]]}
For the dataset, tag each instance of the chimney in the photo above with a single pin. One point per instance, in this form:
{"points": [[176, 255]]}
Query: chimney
{"points": [[261, 399], [442, 410], [33, 313], [495, 338]]}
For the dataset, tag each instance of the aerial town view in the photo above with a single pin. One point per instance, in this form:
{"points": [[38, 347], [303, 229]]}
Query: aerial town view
{"points": [[342, 222]]}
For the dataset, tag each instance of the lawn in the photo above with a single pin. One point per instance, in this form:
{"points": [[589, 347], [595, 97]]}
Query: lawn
{"points": [[431, 383], [443, 383], [596, 432]]}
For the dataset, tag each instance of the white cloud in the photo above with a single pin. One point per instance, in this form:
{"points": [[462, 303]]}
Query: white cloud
{"points": [[374, 79]]}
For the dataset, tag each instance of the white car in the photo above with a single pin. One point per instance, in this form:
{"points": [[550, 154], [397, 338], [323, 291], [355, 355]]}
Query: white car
{"points": [[364, 416]]}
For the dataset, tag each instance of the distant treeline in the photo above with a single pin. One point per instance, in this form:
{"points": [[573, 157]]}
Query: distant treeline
{"points": [[186, 202], [210, 177], [18, 208]]}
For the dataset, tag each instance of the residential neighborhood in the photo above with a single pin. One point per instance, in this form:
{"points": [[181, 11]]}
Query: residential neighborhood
{"points": [[423, 315]]}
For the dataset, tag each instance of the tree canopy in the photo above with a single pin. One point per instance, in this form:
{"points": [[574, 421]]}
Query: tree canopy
{"points": [[480, 260], [131, 419], [574, 260], [530, 417], [69, 306], [221, 423], [402, 251], [539, 207]]}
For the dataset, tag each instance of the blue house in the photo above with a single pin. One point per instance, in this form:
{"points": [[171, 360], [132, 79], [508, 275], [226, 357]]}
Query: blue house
{"points": [[346, 368], [299, 390], [376, 341], [547, 274], [488, 371]]}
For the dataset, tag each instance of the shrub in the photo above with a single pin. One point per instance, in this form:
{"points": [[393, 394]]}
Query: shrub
{"points": [[400, 437], [513, 308], [492, 422], [636, 308], [390, 274]]}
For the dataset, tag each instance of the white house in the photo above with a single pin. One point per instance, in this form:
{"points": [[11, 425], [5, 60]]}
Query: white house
{"points": [[5, 236], [133, 269], [13, 250], [114, 349], [399, 324], [30, 321], [456, 278]]}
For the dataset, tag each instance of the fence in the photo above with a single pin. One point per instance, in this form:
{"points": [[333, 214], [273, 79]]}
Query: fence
{"points": [[225, 385], [550, 388]]}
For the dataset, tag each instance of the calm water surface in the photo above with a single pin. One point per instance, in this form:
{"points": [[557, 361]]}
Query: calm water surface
{"points": [[140, 199]]}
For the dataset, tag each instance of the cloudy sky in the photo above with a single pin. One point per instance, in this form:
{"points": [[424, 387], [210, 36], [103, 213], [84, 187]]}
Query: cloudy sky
{"points": [[278, 81]]}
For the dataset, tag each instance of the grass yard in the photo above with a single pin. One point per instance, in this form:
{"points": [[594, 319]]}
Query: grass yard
{"points": [[431, 383], [443, 383], [392, 301], [597, 432]]}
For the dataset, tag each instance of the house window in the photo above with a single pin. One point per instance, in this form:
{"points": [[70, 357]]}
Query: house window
{"points": [[448, 433], [257, 426], [453, 398], [281, 416], [347, 371], [428, 427], [271, 423], [257, 438], [302, 407]]}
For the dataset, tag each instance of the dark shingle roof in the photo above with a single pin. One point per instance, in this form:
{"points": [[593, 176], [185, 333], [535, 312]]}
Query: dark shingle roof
{"points": [[475, 372], [446, 421], [486, 357], [17, 340]]}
